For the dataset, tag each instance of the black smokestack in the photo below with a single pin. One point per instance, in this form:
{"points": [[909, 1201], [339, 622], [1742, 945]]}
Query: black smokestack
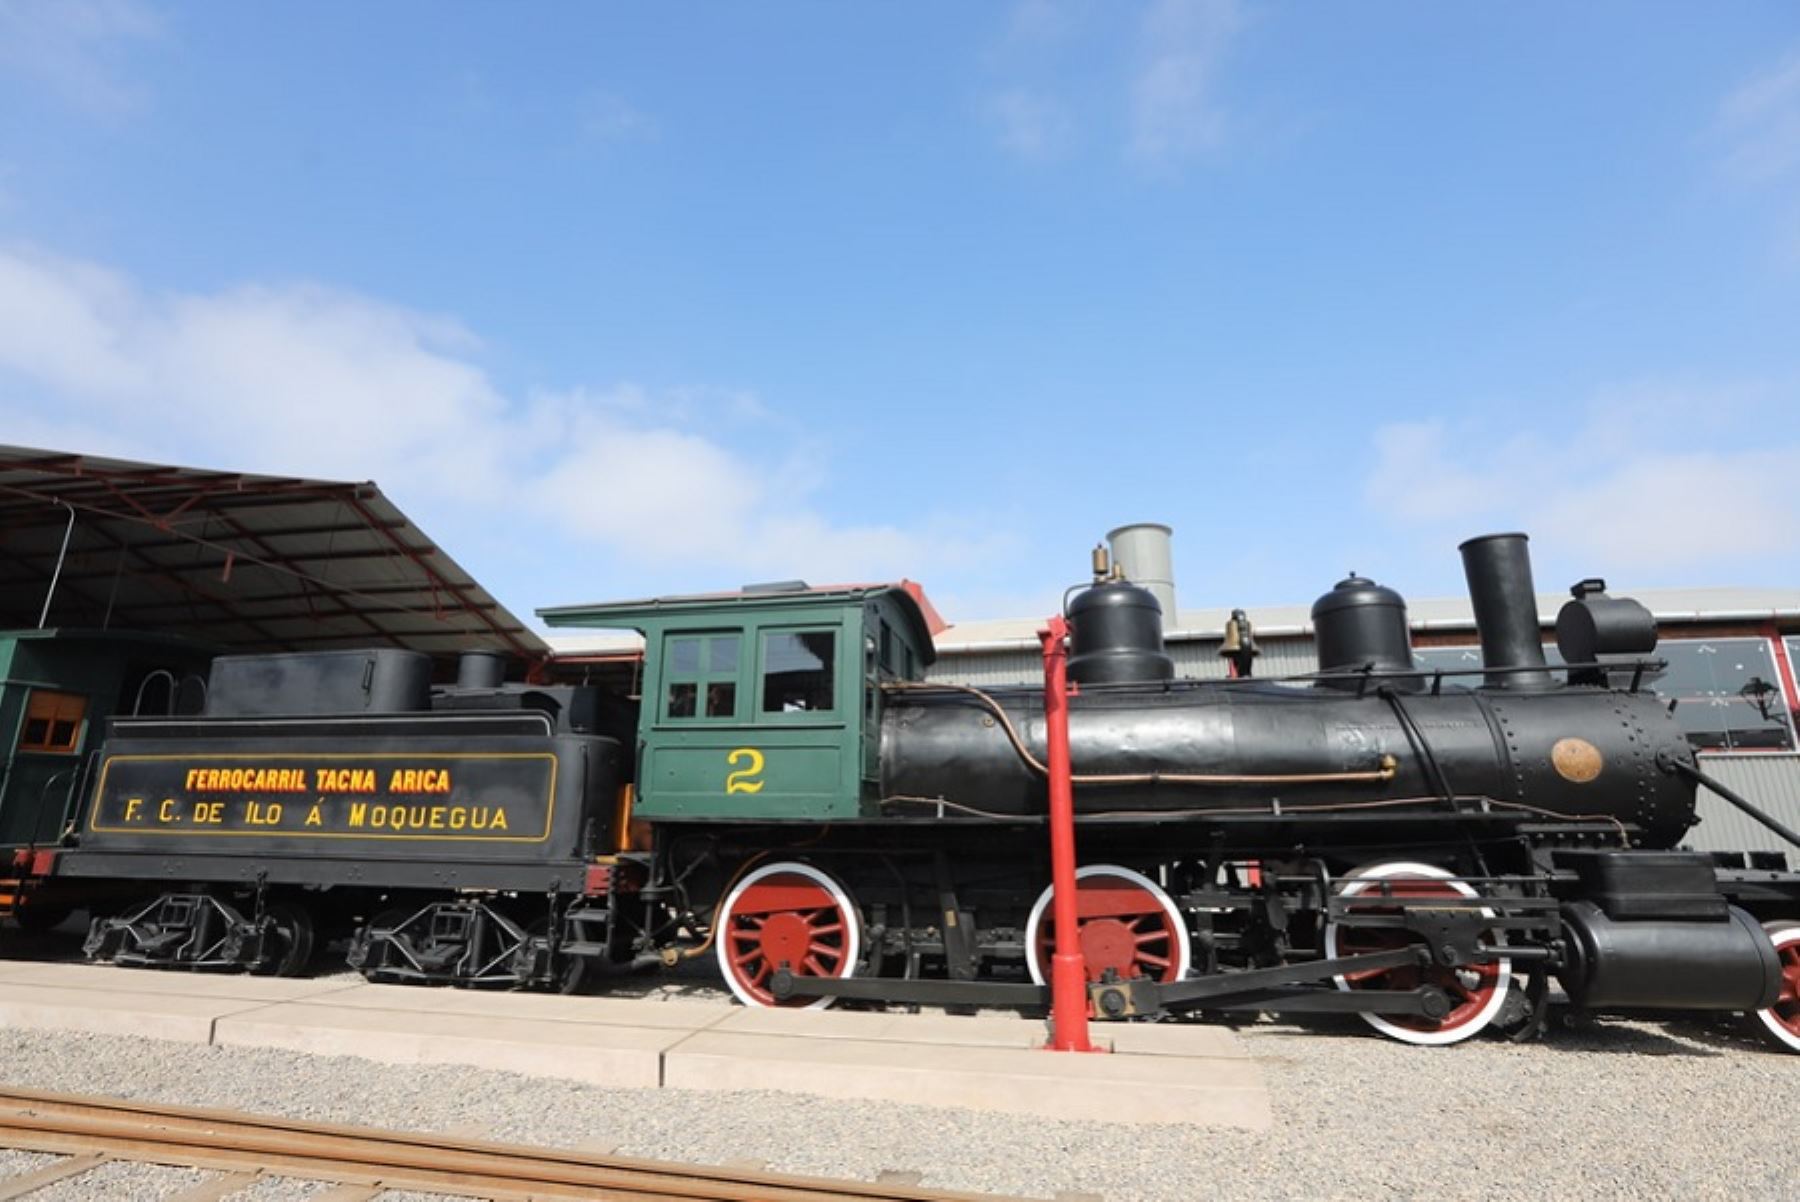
{"points": [[1499, 570]]}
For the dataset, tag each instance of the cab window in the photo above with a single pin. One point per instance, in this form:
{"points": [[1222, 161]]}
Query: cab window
{"points": [[700, 674], [52, 721], [798, 671]]}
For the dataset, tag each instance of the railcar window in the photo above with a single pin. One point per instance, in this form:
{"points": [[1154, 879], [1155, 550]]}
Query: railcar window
{"points": [[1793, 657], [1721, 687], [798, 672], [721, 699], [722, 653], [1465, 659], [1729, 692], [700, 671], [52, 721]]}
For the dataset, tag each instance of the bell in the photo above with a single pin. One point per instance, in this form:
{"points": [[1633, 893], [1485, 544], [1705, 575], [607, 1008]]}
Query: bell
{"points": [[1239, 645], [1240, 637]]}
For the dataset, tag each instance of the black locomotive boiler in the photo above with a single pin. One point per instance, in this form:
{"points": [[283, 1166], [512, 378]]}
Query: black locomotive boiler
{"points": [[785, 794]]}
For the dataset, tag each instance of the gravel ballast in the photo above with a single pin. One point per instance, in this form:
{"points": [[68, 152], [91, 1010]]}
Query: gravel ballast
{"points": [[1624, 1109]]}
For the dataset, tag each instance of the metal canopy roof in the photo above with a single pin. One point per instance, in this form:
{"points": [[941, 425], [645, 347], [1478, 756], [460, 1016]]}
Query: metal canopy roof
{"points": [[248, 563]]}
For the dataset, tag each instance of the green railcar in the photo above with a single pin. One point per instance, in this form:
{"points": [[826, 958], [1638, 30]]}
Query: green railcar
{"points": [[57, 689]]}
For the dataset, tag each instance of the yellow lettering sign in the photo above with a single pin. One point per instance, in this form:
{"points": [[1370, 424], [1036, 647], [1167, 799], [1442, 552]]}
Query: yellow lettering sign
{"points": [[419, 780], [408, 818], [246, 780]]}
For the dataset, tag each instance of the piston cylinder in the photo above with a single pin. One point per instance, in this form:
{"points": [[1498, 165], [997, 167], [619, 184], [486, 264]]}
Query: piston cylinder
{"points": [[1668, 965]]}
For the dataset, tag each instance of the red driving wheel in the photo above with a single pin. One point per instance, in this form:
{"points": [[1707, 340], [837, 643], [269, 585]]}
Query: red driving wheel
{"points": [[785, 914], [1476, 991], [1129, 926], [1782, 1020]]}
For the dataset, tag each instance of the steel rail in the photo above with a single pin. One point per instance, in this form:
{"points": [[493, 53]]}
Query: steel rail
{"points": [[225, 1140]]}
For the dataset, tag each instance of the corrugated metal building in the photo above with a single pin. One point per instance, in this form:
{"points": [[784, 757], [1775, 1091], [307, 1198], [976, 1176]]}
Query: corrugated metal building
{"points": [[1765, 779]]}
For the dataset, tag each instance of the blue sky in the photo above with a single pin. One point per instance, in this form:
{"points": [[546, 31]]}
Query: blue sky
{"points": [[627, 299]]}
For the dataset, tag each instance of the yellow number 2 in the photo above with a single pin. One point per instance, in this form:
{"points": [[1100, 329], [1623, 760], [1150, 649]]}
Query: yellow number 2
{"points": [[744, 780]]}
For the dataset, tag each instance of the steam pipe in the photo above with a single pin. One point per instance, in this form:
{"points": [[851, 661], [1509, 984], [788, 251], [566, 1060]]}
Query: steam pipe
{"points": [[1498, 567]]}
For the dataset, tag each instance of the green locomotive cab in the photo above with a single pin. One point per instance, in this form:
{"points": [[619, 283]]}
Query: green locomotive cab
{"points": [[765, 704]]}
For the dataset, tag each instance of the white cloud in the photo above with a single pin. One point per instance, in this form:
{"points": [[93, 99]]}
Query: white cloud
{"points": [[1030, 125], [605, 117], [1042, 21], [1761, 122], [74, 48], [1175, 112], [1603, 490], [1161, 103], [306, 380], [1758, 129]]}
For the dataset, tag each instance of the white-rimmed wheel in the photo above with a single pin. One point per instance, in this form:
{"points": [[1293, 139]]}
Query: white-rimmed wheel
{"points": [[1477, 991], [791, 915], [1781, 1021], [1129, 925]]}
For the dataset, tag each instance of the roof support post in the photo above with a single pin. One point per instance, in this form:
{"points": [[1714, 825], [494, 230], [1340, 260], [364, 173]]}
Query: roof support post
{"points": [[50, 593]]}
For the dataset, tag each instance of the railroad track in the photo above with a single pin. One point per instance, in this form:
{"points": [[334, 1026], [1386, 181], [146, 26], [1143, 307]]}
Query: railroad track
{"points": [[365, 1161]]}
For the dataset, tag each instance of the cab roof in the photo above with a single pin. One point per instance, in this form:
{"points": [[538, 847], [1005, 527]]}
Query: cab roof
{"points": [[907, 596]]}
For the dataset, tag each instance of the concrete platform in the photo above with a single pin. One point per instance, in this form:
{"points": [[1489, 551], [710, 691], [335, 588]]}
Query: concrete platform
{"points": [[1158, 1073], [140, 1015], [233, 985], [1102, 1087], [598, 1053]]}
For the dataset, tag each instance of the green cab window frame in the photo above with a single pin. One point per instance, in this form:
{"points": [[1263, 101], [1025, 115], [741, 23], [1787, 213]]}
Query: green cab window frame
{"points": [[797, 672], [700, 675]]}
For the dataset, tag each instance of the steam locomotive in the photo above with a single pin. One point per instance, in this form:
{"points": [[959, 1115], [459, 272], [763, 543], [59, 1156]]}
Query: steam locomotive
{"points": [[785, 793]]}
